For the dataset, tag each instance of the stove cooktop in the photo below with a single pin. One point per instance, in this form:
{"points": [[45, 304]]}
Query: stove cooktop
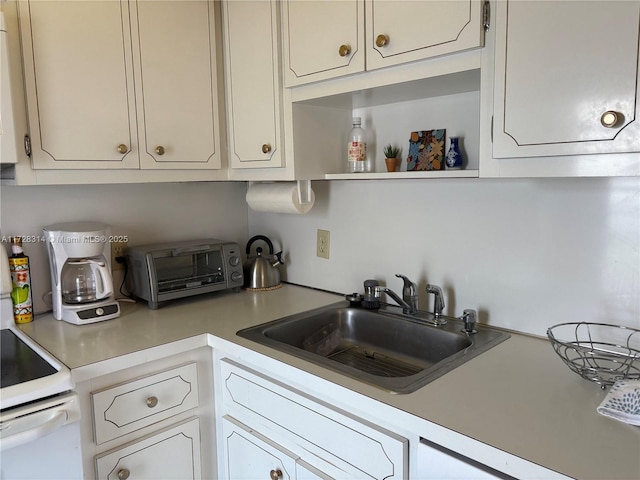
{"points": [[19, 363]]}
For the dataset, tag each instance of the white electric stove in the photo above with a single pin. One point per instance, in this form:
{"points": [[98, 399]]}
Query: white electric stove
{"points": [[39, 412]]}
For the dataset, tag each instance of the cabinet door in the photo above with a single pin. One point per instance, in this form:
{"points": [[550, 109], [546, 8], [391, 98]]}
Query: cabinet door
{"points": [[177, 85], [249, 455], [560, 66], [405, 31], [322, 39], [171, 454], [79, 84], [253, 83]]}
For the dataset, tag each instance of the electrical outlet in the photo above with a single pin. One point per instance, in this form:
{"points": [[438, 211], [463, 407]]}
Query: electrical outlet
{"points": [[117, 250], [323, 243]]}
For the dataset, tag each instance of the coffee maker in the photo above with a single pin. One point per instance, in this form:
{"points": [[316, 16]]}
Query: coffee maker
{"points": [[81, 280]]}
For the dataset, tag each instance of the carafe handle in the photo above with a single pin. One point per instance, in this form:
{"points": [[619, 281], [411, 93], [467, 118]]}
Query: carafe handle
{"points": [[104, 284]]}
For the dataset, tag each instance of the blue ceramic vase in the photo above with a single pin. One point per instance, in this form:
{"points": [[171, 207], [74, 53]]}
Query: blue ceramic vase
{"points": [[454, 156]]}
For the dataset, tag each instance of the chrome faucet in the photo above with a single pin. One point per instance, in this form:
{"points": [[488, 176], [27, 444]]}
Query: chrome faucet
{"points": [[438, 301], [408, 302]]}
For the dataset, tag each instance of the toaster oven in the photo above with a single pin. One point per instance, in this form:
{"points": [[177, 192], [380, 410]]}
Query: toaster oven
{"points": [[166, 271]]}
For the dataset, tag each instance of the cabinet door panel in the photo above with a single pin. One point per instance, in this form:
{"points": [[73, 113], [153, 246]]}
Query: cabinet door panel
{"points": [[248, 455], [253, 83], [79, 83], [178, 106], [419, 30], [314, 31], [559, 67], [171, 454]]}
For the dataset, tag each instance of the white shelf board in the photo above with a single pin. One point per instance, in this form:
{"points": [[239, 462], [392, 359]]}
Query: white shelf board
{"points": [[403, 175]]}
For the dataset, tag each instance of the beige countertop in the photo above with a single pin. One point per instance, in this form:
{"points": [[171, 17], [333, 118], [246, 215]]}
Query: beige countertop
{"points": [[518, 397]]}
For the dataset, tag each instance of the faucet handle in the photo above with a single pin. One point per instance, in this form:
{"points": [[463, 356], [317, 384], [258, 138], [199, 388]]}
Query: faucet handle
{"points": [[438, 302], [410, 288]]}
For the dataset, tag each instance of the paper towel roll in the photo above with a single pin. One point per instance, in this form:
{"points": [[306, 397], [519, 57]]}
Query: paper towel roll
{"points": [[279, 197]]}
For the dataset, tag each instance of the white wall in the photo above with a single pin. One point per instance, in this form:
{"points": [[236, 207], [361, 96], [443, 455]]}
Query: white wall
{"points": [[526, 253], [146, 213]]}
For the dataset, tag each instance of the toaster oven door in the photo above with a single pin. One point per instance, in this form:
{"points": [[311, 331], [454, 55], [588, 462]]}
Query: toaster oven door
{"points": [[183, 270]]}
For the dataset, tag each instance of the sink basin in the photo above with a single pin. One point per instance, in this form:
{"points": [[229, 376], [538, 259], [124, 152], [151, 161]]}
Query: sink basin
{"points": [[382, 348]]}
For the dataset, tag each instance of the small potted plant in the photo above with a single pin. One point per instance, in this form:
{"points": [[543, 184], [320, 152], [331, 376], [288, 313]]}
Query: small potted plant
{"points": [[391, 157]]}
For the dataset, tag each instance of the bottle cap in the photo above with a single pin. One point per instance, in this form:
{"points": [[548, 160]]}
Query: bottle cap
{"points": [[356, 120]]}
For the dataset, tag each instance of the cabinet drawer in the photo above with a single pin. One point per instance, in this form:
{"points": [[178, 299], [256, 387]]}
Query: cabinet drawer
{"points": [[171, 453], [127, 407], [351, 443]]}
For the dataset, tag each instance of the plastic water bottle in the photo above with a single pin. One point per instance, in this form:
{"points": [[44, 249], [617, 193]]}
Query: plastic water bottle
{"points": [[358, 161]]}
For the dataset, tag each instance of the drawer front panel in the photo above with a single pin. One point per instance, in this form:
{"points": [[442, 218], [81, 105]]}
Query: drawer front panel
{"points": [[171, 453], [133, 405], [357, 445]]}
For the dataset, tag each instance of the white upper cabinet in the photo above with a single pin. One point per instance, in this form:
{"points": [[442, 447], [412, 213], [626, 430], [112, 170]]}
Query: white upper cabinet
{"points": [[322, 40], [177, 94], [405, 31], [79, 81], [566, 78], [116, 84], [325, 40], [253, 83]]}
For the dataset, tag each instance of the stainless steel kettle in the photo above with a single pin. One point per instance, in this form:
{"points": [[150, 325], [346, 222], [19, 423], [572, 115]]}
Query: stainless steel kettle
{"points": [[261, 271]]}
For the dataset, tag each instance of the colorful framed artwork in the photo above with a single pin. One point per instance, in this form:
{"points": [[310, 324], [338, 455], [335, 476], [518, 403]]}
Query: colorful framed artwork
{"points": [[426, 150]]}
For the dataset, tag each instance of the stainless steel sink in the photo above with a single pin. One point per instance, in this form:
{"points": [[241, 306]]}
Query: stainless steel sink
{"points": [[385, 349]]}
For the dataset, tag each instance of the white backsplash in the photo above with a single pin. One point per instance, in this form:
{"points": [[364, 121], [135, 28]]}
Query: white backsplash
{"points": [[145, 213], [527, 253]]}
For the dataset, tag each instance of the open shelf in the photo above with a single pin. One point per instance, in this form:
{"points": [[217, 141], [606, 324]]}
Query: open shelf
{"points": [[403, 175]]}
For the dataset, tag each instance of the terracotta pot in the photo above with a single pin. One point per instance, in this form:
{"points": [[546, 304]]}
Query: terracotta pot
{"points": [[392, 164]]}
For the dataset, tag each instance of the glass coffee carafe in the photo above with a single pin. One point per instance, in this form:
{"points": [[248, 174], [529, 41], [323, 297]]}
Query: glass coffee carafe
{"points": [[85, 280]]}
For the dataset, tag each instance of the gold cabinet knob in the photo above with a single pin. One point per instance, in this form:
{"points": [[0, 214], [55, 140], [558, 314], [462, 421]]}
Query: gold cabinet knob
{"points": [[152, 402], [344, 50], [160, 150], [266, 148], [123, 474], [382, 40], [610, 119], [275, 474], [122, 148]]}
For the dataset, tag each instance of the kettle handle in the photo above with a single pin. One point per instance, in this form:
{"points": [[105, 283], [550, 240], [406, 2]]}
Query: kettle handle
{"points": [[104, 286], [264, 239]]}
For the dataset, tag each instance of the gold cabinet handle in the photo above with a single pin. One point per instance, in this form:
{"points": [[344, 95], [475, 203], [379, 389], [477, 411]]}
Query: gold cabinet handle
{"points": [[122, 148], [160, 150], [123, 474], [275, 474], [152, 402], [382, 40], [344, 50], [266, 148], [610, 119]]}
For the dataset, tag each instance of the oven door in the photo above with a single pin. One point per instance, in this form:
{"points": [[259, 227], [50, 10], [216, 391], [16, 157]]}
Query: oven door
{"points": [[42, 440]]}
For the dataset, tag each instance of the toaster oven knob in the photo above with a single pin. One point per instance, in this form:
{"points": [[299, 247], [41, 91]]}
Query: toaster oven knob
{"points": [[234, 261], [236, 276]]}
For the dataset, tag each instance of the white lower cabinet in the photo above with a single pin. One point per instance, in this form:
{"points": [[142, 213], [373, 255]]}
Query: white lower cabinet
{"points": [[149, 419], [173, 453], [250, 455], [434, 462], [301, 437]]}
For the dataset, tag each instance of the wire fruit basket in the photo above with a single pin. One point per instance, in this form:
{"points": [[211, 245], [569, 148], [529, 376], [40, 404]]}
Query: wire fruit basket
{"points": [[599, 352]]}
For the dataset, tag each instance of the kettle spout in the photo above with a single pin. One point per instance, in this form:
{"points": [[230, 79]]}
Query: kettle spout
{"points": [[278, 259]]}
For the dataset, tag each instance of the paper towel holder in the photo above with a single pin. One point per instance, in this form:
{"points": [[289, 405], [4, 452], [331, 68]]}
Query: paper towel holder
{"points": [[304, 190]]}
